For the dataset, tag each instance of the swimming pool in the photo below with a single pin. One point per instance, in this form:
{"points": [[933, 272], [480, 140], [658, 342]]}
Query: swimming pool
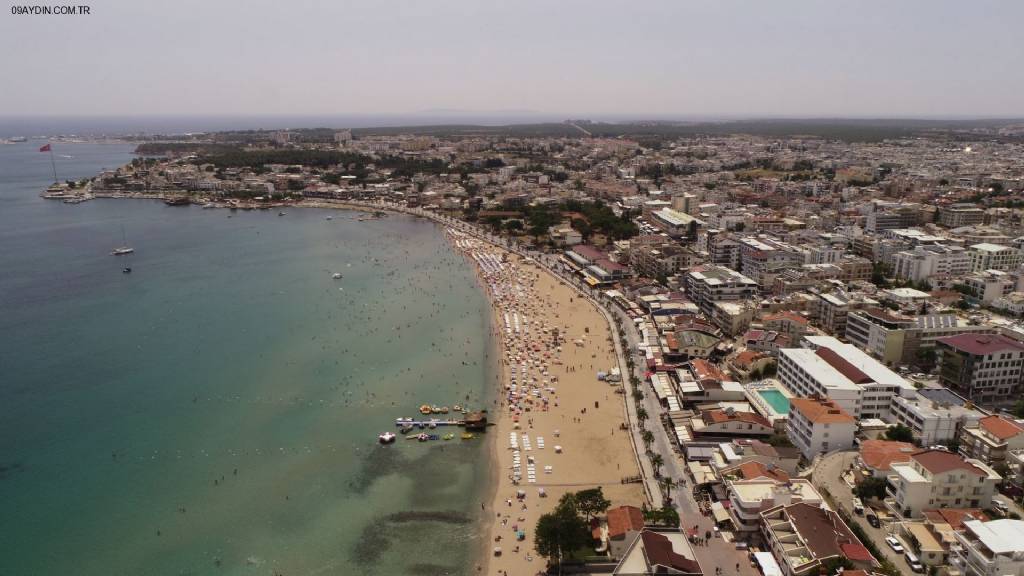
{"points": [[777, 400]]}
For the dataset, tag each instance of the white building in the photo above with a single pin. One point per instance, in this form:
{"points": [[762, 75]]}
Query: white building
{"points": [[923, 262], [994, 548], [818, 426], [939, 479], [859, 384], [932, 420], [987, 256]]}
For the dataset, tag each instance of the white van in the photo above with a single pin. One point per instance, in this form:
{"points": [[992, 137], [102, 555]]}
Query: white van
{"points": [[913, 562]]}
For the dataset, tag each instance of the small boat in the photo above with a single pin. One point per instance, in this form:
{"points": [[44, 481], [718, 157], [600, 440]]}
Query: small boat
{"points": [[422, 437], [386, 438], [467, 436], [126, 270], [425, 409], [457, 408], [432, 437], [329, 218], [337, 276], [444, 409], [281, 213], [432, 424]]}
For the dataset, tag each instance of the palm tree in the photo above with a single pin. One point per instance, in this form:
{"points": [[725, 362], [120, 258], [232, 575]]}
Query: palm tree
{"points": [[656, 462], [641, 413], [648, 437]]}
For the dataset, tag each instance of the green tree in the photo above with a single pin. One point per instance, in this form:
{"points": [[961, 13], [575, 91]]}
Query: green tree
{"points": [[900, 433], [641, 413], [560, 532], [870, 488], [591, 502], [656, 462], [648, 437], [514, 225]]}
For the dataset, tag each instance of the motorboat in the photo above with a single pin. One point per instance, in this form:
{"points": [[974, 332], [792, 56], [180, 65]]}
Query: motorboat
{"points": [[386, 438], [337, 276], [126, 270], [122, 251]]}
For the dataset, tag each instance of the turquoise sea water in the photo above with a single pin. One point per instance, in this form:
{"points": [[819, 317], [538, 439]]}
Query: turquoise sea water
{"points": [[216, 410], [777, 400]]}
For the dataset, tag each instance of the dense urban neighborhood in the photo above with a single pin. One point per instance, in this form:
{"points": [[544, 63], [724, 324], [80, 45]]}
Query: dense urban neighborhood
{"points": [[820, 337]]}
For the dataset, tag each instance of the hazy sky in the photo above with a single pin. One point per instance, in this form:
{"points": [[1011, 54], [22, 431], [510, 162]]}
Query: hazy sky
{"points": [[577, 58]]}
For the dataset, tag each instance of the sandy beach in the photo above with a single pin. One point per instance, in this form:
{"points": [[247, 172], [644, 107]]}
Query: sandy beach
{"points": [[558, 426]]}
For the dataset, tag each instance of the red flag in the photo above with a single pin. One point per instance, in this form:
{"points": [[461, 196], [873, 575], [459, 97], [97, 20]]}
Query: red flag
{"points": [[45, 148]]}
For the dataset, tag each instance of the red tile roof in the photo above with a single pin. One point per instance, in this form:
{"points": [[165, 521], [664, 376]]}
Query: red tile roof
{"points": [[955, 517], [751, 470], [820, 411], [982, 344], [624, 519], [940, 461], [856, 552], [880, 454], [658, 550], [703, 369], [719, 416], [851, 372], [747, 357], [1000, 427]]}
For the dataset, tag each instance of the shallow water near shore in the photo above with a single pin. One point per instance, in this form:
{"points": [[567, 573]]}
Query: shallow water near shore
{"points": [[216, 410]]}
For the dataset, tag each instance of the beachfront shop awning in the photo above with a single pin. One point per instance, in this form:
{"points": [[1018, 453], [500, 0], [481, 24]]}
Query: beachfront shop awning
{"points": [[719, 512], [701, 473], [769, 567]]}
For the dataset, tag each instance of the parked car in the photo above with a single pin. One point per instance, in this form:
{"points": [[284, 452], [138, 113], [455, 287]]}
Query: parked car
{"points": [[894, 544], [858, 506], [873, 519], [1001, 506], [913, 562]]}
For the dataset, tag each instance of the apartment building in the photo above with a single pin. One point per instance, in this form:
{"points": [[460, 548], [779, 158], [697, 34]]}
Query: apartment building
{"points": [[994, 548], [934, 415], [675, 224], [935, 260], [984, 368], [762, 258], [991, 438], [662, 260], [819, 426], [832, 309], [988, 286], [894, 338], [957, 215], [828, 368], [994, 257], [803, 537], [748, 498], [939, 479], [709, 284]]}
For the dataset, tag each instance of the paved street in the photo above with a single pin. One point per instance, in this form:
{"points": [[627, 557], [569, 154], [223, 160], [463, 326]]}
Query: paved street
{"points": [[828, 475]]}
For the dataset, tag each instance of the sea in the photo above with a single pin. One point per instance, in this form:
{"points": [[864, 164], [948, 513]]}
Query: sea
{"points": [[216, 410]]}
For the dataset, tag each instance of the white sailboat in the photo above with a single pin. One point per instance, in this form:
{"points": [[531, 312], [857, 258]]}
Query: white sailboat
{"points": [[124, 248]]}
